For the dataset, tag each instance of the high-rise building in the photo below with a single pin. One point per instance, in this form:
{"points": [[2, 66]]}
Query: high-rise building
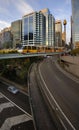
{"points": [[16, 29], [6, 38], [38, 28], [49, 27], [1, 40], [58, 33], [33, 29], [75, 23]]}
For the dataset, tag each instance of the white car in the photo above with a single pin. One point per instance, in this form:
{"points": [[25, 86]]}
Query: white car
{"points": [[13, 90]]}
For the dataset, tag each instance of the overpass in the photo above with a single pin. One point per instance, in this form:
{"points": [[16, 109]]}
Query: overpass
{"points": [[19, 55]]}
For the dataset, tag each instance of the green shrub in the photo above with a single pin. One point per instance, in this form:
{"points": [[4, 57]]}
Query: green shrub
{"points": [[75, 51]]}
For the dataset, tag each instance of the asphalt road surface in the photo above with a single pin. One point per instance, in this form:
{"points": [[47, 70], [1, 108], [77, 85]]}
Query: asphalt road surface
{"points": [[64, 90], [42, 118], [15, 113]]}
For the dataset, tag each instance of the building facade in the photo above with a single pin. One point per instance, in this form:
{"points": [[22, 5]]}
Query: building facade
{"points": [[16, 29], [75, 23], [6, 38], [58, 33], [33, 29], [38, 28], [49, 27], [0, 40]]}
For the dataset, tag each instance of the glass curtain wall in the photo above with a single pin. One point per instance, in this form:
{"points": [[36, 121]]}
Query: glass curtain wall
{"points": [[75, 22], [28, 30], [31, 30]]}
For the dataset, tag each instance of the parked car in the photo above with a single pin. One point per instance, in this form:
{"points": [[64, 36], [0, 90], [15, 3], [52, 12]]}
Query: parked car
{"points": [[13, 90]]}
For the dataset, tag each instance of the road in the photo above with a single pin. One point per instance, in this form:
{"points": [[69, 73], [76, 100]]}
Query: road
{"points": [[64, 90], [42, 118], [15, 113]]}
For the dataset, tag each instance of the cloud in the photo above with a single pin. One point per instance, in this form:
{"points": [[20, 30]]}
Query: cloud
{"points": [[23, 7], [10, 7], [4, 24]]}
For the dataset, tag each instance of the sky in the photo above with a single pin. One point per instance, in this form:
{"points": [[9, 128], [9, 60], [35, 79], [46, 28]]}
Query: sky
{"points": [[11, 10]]}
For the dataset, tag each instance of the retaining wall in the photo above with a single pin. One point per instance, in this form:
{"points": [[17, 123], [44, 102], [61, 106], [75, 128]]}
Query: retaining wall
{"points": [[71, 64]]}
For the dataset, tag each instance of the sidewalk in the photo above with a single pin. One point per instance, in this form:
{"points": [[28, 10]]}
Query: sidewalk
{"points": [[8, 82]]}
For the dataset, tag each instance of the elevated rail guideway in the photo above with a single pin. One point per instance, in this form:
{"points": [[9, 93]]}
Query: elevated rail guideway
{"points": [[17, 55]]}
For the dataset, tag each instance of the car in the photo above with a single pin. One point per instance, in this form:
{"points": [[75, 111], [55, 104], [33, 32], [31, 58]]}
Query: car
{"points": [[13, 90]]}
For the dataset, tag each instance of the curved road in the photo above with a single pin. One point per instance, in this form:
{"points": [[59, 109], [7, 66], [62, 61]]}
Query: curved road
{"points": [[64, 90], [42, 118]]}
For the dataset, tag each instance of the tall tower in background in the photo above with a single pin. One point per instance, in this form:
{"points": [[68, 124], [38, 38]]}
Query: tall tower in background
{"points": [[64, 23], [75, 23], [58, 33]]}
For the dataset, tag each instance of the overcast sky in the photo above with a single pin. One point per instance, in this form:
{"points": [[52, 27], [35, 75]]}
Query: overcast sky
{"points": [[11, 10]]}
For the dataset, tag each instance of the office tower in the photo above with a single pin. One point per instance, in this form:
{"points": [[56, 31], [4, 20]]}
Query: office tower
{"points": [[49, 27], [16, 29], [33, 26], [1, 40], [58, 33], [75, 23], [37, 28]]}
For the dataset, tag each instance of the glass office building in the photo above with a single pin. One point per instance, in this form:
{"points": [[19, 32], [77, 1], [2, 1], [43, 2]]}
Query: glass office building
{"points": [[75, 23], [38, 28], [16, 30], [49, 27], [33, 29]]}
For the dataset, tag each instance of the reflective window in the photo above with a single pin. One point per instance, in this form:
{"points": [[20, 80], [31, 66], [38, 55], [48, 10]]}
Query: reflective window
{"points": [[26, 29], [30, 27]]}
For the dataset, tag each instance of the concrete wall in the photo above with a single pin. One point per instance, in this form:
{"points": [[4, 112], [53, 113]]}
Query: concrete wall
{"points": [[71, 64]]}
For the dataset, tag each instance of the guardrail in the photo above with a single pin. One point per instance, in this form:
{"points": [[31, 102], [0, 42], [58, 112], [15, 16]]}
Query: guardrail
{"points": [[18, 55]]}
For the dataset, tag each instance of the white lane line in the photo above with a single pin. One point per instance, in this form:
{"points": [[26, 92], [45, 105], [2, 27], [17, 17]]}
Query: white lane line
{"points": [[6, 105], [59, 80], [56, 102], [17, 106], [1, 96], [9, 122]]}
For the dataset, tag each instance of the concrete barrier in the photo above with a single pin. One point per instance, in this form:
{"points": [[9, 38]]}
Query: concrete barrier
{"points": [[71, 64]]}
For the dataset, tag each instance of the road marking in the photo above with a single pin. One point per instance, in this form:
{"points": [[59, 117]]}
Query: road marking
{"points": [[9, 122], [57, 78], [1, 96], [17, 106], [5, 105], [56, 102]]}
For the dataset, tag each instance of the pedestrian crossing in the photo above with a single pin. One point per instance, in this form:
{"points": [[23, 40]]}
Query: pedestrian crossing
{"points": [[9, 122], [11, 115], [5, 105]]}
